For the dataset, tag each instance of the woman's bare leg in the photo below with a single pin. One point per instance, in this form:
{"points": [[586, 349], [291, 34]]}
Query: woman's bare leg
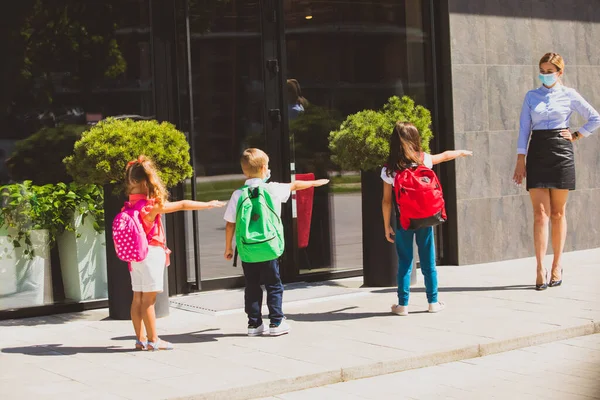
{"points": [[558, 206], [540, 199]]}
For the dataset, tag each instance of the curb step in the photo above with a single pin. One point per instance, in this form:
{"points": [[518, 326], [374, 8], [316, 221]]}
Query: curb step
{"points": [[281, 386]]}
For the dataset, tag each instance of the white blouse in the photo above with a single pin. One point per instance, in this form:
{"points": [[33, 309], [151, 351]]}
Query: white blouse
{"points": [[427, 161]]}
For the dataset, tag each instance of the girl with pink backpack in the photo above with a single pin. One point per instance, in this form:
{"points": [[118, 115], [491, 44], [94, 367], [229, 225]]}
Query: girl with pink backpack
{"points": [[140, 240]]}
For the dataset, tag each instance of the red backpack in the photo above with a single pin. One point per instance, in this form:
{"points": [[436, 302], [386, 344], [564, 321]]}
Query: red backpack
{"points": [[419, 197]]}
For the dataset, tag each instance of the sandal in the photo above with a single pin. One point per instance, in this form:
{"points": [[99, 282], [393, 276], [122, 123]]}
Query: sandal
{"points": [[139, 345], [155, 346]]}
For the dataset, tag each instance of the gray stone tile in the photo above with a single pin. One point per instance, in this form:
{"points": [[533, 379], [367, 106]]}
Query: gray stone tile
{"points": [[553, 30], [473, 174], [588, 80], [587, 33], [467, 34], [509, 39], [503, 158], [470, 98], [587, 160], [506, 87], [471, 7], [474, 230], [583, 232]]}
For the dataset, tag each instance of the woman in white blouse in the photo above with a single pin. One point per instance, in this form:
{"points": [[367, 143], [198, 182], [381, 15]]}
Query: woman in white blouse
{"points": [[547, 161]]}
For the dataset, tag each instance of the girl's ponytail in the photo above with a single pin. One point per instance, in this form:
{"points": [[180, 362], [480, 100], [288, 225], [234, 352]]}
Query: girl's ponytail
{"points": [[143, 169]]}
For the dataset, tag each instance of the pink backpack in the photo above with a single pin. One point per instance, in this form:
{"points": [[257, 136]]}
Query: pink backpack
{"points": [[131, 241]]}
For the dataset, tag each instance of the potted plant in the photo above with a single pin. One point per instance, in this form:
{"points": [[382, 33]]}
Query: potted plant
{"points": [[81, 240], [362, 144], [25, 237], [101, 156]]}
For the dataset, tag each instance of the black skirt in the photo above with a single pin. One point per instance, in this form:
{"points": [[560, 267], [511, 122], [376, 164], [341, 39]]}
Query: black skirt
{"points": [[550, 161]]}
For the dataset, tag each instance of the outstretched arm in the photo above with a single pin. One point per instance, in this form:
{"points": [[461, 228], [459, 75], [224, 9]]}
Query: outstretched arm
{"points": [[301, 185], [449, 156], [182, 205]]}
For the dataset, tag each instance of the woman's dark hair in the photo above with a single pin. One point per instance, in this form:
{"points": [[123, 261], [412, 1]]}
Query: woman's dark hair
{"points": [[405, 147], [294, 93]]}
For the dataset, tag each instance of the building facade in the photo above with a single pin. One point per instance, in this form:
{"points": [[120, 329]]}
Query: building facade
{"points": [[280, 75]]}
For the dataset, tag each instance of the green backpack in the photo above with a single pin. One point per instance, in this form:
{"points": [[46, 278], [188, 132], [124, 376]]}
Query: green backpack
{"points": [[258, 230]]}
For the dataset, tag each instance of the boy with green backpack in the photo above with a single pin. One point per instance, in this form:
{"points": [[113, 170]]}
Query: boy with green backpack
{"points": [[253, 215]]}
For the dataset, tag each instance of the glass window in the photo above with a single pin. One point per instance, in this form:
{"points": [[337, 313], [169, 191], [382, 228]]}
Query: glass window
{"points": [[66, 65], [343, 57], [228, 109]]}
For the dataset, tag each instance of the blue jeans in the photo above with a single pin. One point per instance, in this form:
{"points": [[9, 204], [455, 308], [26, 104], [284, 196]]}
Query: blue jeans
{"points": [[404, 248], [265, 273]]}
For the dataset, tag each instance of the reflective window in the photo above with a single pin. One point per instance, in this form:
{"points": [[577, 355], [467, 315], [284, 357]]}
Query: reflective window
{"points": [[66, 65]]}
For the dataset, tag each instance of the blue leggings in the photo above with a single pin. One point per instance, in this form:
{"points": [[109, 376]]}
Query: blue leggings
{"points": [[404, 248]]}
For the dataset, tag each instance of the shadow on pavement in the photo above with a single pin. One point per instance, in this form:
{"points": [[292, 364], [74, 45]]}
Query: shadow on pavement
{"points": [[49, 350], [338, 315], [206, 335], [462, 289]]}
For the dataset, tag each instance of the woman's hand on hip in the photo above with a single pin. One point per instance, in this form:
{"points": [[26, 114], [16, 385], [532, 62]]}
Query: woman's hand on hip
{"points": [[519, 171], [389, 234], [568, 135]]}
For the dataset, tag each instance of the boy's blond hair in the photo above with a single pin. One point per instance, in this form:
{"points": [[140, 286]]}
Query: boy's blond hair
{"points": [[252, 161]]}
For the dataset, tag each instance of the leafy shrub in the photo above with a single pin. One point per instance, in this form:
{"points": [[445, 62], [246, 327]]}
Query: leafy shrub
{"points": [[101, 155], [27, 207], [362, 140], [39, 157]]}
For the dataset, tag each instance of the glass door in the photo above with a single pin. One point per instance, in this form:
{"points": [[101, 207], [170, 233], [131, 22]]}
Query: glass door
{"points": [[342, 57], [235, 105]]}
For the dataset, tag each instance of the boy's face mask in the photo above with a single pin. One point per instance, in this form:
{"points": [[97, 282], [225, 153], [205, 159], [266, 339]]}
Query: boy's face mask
{"points": [[268, 176]]}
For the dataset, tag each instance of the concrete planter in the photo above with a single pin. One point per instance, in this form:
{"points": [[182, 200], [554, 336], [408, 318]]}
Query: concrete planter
{"points": [[83, 261], [25, 281]]}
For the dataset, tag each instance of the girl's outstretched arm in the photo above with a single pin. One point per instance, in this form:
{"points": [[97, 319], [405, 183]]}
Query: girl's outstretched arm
{"points": [[182, 205], [449, 156]]}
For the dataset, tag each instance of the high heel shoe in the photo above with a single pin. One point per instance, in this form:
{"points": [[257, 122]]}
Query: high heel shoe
{"points": [[554, 283], [544, 285]]}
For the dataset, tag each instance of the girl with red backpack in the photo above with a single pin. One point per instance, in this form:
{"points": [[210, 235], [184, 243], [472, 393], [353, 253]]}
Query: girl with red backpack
{"points": [[148, 199], [409, 180]]}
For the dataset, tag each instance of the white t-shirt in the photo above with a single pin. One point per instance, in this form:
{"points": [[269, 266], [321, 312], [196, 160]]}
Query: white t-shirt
{"points": [[427, 161], [280, 193]]}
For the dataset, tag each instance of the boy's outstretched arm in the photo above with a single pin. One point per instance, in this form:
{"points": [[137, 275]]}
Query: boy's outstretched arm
{"points": [[229, 232], [301, 185], [449, 156]]}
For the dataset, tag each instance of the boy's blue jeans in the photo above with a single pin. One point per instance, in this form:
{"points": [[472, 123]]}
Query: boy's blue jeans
{"points": [[404, 248], [265, 273]]}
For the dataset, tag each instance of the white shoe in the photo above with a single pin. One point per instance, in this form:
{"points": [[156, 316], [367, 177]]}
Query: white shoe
{"points": [[281, 329], [436, 307], [400, 310], [261, 330]]}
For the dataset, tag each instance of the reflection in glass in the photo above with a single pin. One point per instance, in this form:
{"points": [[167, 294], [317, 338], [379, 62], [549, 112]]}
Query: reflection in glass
{"points": [[346, 56], [228, 98], [66, 65]]}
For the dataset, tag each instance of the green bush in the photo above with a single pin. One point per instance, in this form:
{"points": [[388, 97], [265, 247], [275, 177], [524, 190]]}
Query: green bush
{"points": [[309, 133], [27, 207], [362, 140], [101, 155], [39, 157]]}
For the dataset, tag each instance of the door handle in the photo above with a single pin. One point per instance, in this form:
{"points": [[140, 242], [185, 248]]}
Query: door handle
{"points": [[273, 66], [275, 115]]}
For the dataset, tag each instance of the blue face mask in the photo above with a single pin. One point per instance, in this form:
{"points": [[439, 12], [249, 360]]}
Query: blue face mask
{"points": [[268, 176], [548, 79]]}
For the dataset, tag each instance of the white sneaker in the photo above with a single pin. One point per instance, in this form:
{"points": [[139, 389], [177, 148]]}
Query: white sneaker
{"points": [[400, 310], [257, 331], [436, 307], [281, 329]]}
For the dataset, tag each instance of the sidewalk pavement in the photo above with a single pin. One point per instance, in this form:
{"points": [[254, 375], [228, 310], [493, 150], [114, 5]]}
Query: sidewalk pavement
{"points": [[564, 370], [492, 308]]}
